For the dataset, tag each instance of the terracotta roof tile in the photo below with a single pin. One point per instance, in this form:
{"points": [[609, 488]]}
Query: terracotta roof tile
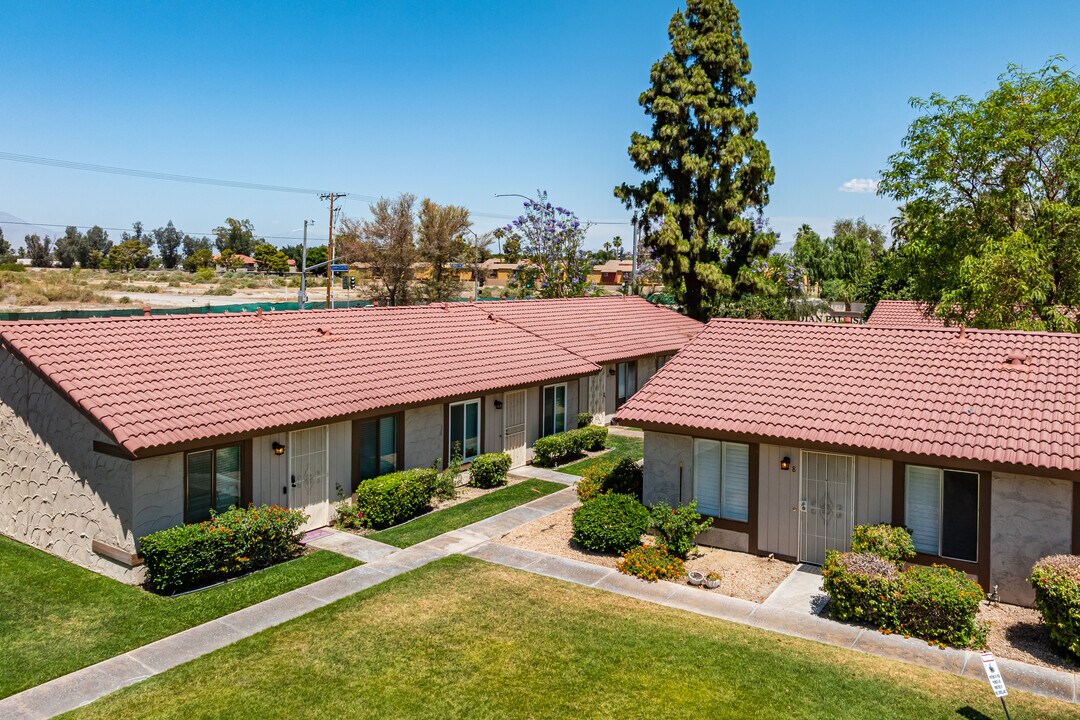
{"points": [[164, 380], [902, 313], [602, 329], [924, 391]]}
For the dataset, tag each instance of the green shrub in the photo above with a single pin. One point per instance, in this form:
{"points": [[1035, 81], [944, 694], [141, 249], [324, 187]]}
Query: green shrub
{"points": [[551, 449], [205, 275], [348, 516], [228, 544], [862, 588], [886, 541], [1056, 580], [675, 529], [11, 267], [610, 523], [221, 290], [489, 470], [592, 437], [584, 419], [591, 483], [625, 478], [395, 497], [652, 563], [942, 604]]}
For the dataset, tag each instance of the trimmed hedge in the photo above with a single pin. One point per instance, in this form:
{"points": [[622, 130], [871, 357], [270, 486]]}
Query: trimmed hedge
{"points": [[936, 603], [489, 470], [610, 523], [584, 419], [1056, 580], [550, 449], [395, 497], [228, 544], [886, 541]]}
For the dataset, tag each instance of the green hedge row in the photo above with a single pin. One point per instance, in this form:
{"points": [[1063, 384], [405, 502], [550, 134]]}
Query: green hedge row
{"points": [[550, 449], [395, 497], [230, 543]]}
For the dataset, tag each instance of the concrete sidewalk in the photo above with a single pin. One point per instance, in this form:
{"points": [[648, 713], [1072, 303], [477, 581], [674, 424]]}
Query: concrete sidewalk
{"points": [[786, 620], [539, 473], [84, 686], [800, 591]]}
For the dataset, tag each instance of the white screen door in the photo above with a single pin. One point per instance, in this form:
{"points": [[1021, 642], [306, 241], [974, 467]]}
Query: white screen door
{"points": [[514, 427], [826, 504], [309, 474]]}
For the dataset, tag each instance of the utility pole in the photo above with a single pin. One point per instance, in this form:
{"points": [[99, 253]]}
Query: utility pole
{"points": [[633, 266], [302, 297], [330, 245]]}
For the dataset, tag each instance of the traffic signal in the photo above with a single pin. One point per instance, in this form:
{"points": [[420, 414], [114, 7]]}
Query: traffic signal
{"points": [[348, 282]]}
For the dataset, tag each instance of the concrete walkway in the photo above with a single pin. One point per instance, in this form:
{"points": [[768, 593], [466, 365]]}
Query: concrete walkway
{"points": [[539, 473], [800, 591], [788, 621], [354, 546], [84, 686]]}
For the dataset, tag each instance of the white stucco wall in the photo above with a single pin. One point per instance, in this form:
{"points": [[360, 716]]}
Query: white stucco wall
{"points": [[1030, 518], [159, 493], [56, 493]]}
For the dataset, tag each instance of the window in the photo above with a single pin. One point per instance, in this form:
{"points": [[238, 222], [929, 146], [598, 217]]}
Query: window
{"points": [[464, 436], [626, 382], [554, 410], [661, 360], [722, 479], [378, 446], [213, 482], [942, 511]]}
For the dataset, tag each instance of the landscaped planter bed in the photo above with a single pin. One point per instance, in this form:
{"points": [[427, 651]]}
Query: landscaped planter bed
{"points": [[1018, 633]]}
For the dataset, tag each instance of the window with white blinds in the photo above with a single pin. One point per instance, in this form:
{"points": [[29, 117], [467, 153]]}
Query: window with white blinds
{"points": [[923, 512], [722, 479], [942, 511]]}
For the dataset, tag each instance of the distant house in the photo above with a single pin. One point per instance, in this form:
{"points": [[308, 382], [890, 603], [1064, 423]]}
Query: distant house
{"points": [[248, 263], [788, 434], [498, 273], [612, 272], [903, 313]]}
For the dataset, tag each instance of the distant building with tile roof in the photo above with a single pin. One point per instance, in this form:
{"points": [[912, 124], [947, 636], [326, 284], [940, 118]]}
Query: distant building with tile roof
{"points": [[903, 313]]}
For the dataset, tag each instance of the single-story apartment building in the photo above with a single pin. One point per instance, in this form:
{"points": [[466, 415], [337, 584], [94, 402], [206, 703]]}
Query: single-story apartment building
{"points": [[788, 434], [627, 336]]}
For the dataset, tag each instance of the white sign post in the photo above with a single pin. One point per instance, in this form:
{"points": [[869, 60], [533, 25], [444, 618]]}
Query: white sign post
{"points": [[997, 683]]}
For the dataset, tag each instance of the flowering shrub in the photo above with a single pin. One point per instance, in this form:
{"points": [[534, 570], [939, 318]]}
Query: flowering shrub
{"points": [[610, 523], [348, 516], [489, 470], [652, 563], [885, 541], [862, 588], [552, 242], [591, 484], [228, 544], [395, 497], [1056, 580], [676, 528]]}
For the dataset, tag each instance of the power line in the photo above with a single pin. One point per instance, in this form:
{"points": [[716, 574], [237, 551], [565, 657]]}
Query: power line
{"points": [[193, 179]]}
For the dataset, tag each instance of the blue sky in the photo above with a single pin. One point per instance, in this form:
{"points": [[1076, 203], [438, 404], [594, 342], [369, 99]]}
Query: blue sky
{"points": [[458, 101]]}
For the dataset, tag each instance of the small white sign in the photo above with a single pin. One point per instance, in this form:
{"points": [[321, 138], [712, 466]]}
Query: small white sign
{"points": [[993, 674]]}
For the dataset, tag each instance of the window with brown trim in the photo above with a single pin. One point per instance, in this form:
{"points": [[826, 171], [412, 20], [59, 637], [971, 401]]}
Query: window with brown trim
{"points": [[211, 481], [941, 508], [378, 446], [625, 382]]}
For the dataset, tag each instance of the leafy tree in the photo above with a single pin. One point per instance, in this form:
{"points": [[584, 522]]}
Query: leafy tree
{"points": [[990, 193], [552, 241], [885, 279], [269, 259], [200, 258], [193, 245], [316, 255], [851, 250], [810, 252], [71, 248], [97, 240], [169, 240], [128, 254], [5, 249], [511, 250], [705, 168], [441, 240], [229, 260], [617, 248], [387, 242], [237, 235], [38, 250]]}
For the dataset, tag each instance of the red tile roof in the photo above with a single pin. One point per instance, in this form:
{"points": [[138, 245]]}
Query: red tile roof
{"points": [[920, 391], [602, 329], [159, 381], [902, 313]]}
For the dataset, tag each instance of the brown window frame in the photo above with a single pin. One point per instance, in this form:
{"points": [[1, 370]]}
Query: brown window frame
{"points": [[245, 474], [399, 444]]}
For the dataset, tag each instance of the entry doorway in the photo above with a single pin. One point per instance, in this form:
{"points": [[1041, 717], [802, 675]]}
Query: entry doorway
{"points": [[826, 504], [514, 427], [309, 474]]}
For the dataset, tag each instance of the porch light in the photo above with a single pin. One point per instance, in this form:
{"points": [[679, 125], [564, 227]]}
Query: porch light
{"points": [[785, 464], [611, 371], [278, 448], [498, 404]]}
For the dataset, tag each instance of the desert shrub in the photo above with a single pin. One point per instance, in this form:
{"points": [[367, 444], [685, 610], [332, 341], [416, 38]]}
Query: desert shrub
{"points": [[124, 300], [348, 516], [489, 470], [11, 267], [652, 563], [610, 523], [221, 290], [676, 528], [228, 544], [940, 603], [591, 483], [584, 419], [886, 541], [205, 275], [395, 497], [862, 588], [1056, 580]]}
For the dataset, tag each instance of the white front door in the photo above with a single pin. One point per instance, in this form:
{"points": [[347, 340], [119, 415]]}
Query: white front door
{"points": [[514, 427], [827, 504], [309, 474]]}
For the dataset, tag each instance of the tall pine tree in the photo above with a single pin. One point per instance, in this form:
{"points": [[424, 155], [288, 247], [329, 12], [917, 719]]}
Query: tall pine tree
{"points": [[704, 168]]}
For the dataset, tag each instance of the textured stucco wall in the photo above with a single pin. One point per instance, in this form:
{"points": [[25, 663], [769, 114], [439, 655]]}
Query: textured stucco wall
{"points": [[423, 436], [56, 493], [663, 452], [159, 493], [646, 368], [1030, 517]]}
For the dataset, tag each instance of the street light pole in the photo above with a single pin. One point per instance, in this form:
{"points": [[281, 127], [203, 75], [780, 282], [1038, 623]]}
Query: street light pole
{"points": [[476, 265], [302, 296]]}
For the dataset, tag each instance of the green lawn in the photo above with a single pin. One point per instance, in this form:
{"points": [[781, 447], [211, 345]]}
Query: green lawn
{"points": [[460, 638], [621, 447], [56, 617], [458, 516]]}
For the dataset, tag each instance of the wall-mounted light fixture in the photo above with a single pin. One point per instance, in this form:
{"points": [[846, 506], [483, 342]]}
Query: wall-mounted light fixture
{"points": [[278, 448], [498, 404], [785, 463], [611, 371]]}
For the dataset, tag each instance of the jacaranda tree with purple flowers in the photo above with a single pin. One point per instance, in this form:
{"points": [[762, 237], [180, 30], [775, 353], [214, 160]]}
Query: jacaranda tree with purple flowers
{"points": [[554, 263]]}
